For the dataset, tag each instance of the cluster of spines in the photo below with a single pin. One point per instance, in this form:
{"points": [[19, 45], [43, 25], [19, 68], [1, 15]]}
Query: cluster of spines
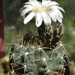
{"points": [[43, 60], [45, 42]]}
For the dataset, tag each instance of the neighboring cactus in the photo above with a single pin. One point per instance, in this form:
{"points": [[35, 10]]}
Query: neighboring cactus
{"points": [[39, 55]]}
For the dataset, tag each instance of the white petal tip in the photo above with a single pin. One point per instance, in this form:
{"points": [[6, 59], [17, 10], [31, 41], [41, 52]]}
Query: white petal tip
{"points": [[38, 25], [24, 22]]}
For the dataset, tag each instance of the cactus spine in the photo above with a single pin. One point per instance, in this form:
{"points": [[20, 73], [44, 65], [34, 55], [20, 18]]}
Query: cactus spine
{"points": [[41, 54]]}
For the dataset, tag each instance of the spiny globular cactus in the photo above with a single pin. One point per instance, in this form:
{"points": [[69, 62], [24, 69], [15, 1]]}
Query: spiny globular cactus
{"points": [[41, 54]]}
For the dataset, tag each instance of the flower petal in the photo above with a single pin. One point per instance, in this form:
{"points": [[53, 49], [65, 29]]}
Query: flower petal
{"points": [[58, 17], [52, 16], [45, 3], [53, 3], [27, 6], [38, 19], [34, 3], [26, 11], [57, 10], [23, 12], [58, 7], [46, 18], [29, 17], [57, 13]]}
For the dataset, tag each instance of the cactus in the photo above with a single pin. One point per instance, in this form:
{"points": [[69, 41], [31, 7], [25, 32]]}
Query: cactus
{"points": [[44, 53], [41, 54]]}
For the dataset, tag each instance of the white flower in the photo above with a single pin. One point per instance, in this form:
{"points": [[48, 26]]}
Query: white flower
{"points": [[46, 11]]}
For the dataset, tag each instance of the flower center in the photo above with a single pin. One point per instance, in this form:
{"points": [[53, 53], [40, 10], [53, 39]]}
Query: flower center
{"points": [[41, 9]]}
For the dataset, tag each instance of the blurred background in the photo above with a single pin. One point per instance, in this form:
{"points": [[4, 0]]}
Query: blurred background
{"points": [[14, 27]]}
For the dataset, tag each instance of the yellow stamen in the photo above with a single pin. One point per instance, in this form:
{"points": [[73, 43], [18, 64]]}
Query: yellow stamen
{"points": [[41, 9]]}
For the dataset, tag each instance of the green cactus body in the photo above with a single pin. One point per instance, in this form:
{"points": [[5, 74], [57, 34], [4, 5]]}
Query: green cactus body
{"points": [[36, 60], [34, 56]]}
